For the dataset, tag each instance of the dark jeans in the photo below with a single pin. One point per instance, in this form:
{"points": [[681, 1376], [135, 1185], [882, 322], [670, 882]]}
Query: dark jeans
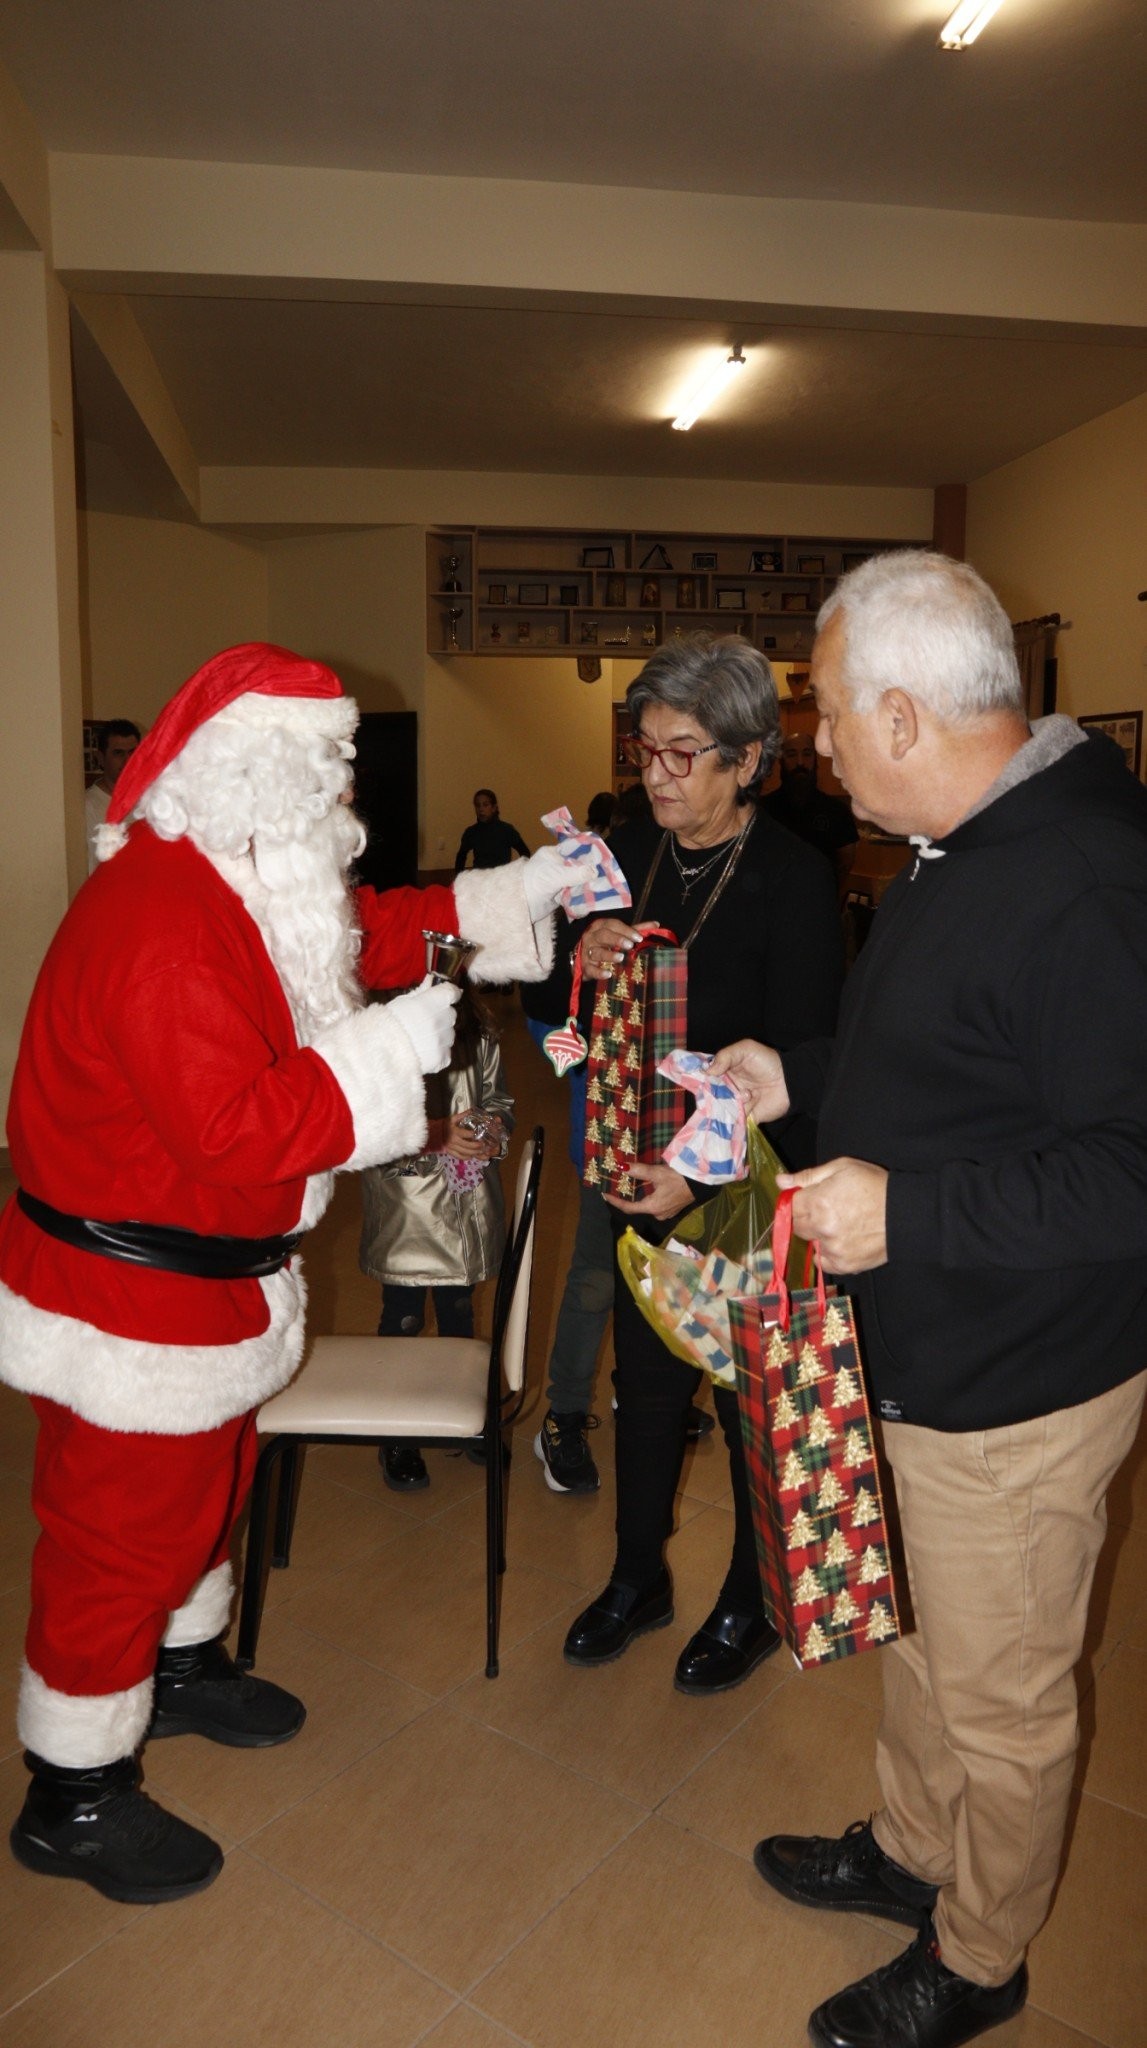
{"points": [[404, 1311], [654, 1390], [586, 1305]]}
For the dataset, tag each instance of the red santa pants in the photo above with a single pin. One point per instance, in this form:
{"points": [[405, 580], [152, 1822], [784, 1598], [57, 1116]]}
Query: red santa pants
{"points": [[130, 1525]]}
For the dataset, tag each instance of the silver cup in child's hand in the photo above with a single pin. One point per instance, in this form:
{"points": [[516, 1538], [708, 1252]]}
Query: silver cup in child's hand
{"points": [[448, 956]]}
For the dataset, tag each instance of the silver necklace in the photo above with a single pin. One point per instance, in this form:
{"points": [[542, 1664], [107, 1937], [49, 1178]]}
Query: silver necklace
{"points": [[689, 876]]}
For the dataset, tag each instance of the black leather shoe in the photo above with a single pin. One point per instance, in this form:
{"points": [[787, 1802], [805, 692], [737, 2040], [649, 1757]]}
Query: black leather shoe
{"points": [[608, 1626], [847, 1873], [403, 1466], [915, 2002], [698, 1423], [200, 1691], [724, 1651]]}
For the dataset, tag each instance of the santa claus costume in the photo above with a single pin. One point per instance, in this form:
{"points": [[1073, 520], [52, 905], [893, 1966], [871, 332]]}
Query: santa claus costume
{"points": [[195, 1065]]}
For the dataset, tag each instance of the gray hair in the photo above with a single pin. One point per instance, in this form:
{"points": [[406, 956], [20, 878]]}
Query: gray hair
{"points": [[722, 682], [928, 625]]}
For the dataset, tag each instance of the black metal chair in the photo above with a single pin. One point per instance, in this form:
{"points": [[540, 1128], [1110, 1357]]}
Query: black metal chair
{"points": [[433, 1390]]}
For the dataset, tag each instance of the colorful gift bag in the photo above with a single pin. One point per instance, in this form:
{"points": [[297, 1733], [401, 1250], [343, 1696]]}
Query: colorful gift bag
{"points": [[818, 1512], [638, 1018]]}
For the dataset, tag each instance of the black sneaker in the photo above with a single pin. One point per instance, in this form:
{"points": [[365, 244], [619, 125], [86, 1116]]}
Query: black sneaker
{"points": [[847, 1873], [96, 1825], [561, 1445], [403, 1467], [915, 2002], [200, 1691]]}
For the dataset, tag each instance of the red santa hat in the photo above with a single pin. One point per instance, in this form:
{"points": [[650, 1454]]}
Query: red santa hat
{"points": [[255, 669]]}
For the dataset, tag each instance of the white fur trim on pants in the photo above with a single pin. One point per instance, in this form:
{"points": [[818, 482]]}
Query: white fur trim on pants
{"points": [[80, 1731], [492, 914], [375, 1065], [162, 1389], [205, 1612]]}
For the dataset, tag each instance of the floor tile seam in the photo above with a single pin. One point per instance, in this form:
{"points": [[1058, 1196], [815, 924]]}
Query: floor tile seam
{"points": [[399, 1677], [1077, 2034], [322, 1785], [334, 1912], [463, 2005], [544, 1756], [751, 1710], [114, 1934], [1116, 1805]]}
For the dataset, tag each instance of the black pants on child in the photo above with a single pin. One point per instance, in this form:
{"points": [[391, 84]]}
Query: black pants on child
{"points": [[404, 1311]]}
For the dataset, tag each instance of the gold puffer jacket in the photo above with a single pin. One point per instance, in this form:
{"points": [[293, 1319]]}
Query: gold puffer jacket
{"points": [[417, 1231]]}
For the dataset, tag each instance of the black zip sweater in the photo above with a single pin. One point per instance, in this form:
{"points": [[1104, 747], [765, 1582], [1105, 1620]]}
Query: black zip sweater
{"points": [[992, 1054]]}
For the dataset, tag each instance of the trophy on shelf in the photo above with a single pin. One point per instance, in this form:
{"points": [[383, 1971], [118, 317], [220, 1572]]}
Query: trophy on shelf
{"points": [[447, 956], [450, 566], [453, 616]]}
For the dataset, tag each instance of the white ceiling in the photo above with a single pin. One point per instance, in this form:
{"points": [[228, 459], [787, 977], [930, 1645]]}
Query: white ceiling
{"points": [[828, 99]]}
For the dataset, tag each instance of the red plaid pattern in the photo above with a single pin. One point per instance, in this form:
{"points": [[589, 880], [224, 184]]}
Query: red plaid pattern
{"points": [[818, 1512], [638, 1018]]}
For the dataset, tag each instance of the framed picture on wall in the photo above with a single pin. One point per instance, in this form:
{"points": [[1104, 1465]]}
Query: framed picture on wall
{"points": [[1125, 728], [730, 600], [597, 558]]}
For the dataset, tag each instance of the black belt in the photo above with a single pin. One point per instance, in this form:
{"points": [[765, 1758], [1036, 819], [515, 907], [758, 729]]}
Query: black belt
{"points": [[157, 1244]]}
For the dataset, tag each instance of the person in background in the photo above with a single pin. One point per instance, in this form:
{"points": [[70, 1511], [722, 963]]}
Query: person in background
{"points": [[489, 842], [118, 740], [823, 821], [982, 1119], [435, 1219]]}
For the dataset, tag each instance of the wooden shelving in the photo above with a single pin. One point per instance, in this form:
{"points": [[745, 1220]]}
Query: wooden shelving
{"points": [[561, 591]]}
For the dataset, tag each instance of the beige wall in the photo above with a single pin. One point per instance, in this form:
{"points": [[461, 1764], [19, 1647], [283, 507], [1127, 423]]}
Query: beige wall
{"points": [[1064, 530], [161, 597]]}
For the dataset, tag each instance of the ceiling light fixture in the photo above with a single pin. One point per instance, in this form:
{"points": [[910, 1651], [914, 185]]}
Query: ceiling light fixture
{"points": [[709, 388], [965, 23]]}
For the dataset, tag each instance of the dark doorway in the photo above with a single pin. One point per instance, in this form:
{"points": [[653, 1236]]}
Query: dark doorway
{"points": [[386, 796]]}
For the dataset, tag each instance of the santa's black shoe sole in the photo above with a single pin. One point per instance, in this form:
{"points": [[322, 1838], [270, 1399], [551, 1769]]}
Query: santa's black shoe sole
{"points": [[230, 1738], [46, 1863]]}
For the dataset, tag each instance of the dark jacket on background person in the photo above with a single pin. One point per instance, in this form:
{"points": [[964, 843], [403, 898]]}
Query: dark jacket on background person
{"points": [[492, 842], [992, 1054]]}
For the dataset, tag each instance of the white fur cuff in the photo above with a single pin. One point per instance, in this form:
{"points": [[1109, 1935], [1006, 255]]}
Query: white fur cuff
{"points": [[494, 916], [79, 1731], [375, 1065], [204, 1613]]}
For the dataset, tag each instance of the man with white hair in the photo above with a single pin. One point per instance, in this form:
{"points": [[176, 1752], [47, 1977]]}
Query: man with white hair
{"points": [[983, 1130], [197, 1061]]}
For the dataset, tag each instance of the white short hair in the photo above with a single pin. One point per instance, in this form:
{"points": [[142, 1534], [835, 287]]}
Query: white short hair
{"points": [[929, 625]]}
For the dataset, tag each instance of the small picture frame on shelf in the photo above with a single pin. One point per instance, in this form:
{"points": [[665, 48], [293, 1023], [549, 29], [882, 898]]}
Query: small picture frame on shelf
{"points": [[704, 559], [810, 565], [730, 600], [597, 558], [523, 632], [496, 593], [615, 590], [551, 636], [769, 643], [569, 593], [764, 562], [533, 593], [651, 593], [589, 632], [1124, 727], [794, 601], [686, 594]]}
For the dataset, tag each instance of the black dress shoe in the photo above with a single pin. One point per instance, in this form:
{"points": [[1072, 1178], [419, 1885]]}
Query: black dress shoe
{"points": [[847, 1873], [915, 2002], [403, 1466], [724, 1651], [608, 1626]]}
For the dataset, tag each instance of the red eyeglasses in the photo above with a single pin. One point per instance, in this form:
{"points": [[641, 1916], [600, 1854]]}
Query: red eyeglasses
{"points": [[675, 760]]}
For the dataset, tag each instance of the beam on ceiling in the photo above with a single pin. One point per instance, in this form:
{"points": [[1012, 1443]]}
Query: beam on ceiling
{"points": [[117, 334]]}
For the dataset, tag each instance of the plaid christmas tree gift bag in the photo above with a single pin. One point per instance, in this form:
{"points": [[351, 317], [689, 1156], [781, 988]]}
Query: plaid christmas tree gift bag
{"points": [[818, 1512], [638, 1018]]}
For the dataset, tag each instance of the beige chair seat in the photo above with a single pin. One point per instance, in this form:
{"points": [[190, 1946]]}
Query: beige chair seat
{"points": [[385, 1387]]}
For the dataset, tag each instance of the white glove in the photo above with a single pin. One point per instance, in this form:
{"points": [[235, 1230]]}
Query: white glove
{"points": [[426, 1015], [546, 874]]}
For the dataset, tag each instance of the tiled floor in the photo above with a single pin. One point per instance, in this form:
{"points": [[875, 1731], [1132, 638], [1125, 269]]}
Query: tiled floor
{"points": [[557, 1857]]}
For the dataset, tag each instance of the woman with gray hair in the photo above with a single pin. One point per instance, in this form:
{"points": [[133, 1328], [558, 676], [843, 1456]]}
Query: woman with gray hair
{"points": [[756, 910]]}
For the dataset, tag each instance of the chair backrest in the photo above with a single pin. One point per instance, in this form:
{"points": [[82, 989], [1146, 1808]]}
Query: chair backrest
{"points": [[512, 1303]]}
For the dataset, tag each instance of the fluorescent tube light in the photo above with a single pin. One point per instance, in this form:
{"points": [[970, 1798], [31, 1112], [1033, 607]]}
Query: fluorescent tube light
{"points": [[709, 388], [965, 23]]}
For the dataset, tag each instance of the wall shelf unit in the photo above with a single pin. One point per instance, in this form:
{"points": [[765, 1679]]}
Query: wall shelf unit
{"points": [[565, 591]]}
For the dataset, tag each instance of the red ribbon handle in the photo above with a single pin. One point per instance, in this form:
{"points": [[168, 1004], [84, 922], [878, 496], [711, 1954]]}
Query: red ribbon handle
{"points": [[782, 1244], [658, 931]]}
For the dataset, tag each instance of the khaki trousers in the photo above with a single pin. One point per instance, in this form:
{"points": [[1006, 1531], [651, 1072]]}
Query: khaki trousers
{"points": [[1002, 1529]]}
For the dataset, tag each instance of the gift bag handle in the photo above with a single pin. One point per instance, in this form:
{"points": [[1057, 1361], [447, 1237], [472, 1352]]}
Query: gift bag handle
{"points": [[659, 931], [782, 1242]]}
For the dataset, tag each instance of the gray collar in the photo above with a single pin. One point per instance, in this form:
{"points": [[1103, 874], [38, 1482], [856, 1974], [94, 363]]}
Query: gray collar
{"points": [[1051, 738]]}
